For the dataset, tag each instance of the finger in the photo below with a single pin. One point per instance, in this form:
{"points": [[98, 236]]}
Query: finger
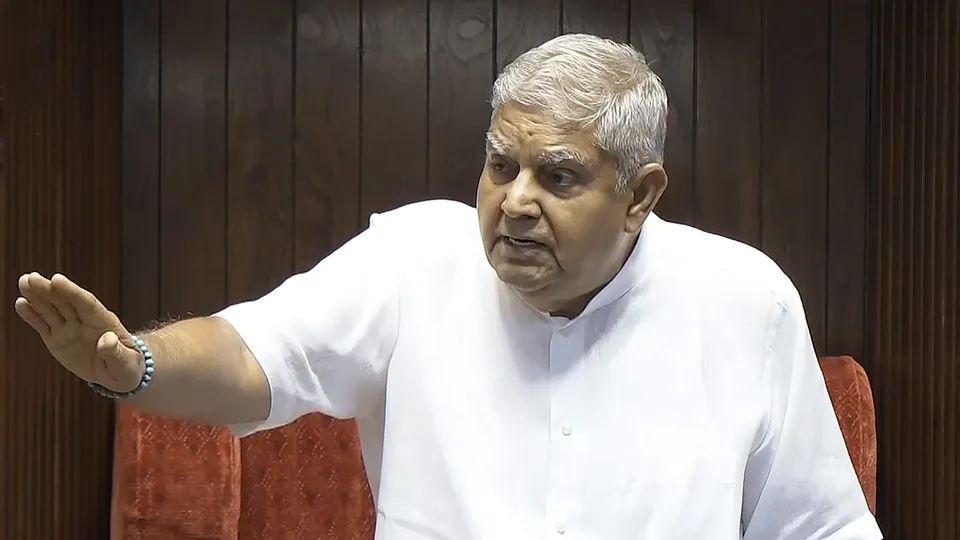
{"points": [[61, 300], [31, 317], [80, 301], [36, 289]]}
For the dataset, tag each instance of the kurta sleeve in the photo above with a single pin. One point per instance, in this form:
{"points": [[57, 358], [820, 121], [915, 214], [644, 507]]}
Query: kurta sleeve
{"points": [[800, 483], [324, 338]]}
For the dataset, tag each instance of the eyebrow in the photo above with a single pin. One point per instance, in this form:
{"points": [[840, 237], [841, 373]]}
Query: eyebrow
{"points": [[553, 157], [497, 145]]}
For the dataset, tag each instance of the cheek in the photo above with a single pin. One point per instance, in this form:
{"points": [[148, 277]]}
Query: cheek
{"points": [[585, 240], [488, 209]]}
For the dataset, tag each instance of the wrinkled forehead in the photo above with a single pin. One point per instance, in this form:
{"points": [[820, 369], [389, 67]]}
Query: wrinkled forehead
{"points": [[519, 132]]}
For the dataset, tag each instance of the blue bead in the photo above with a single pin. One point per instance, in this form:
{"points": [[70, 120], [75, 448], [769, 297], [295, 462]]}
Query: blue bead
{"points": [[148, 362], [147, 354], [149, 371], [147, 377]]}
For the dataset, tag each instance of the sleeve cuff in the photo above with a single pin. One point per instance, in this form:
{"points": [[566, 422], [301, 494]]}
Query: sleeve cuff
{"points": [[863, 528], [249, 325]]}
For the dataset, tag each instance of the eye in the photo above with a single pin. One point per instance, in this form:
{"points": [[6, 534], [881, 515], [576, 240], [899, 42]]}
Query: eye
{"points": [[502, 167], [562, 177]]}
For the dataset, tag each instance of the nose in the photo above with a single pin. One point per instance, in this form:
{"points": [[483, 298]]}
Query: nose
{"points": [[520, 200]]}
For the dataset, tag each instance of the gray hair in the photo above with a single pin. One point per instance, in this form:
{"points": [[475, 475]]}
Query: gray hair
{"points": [[583, 81]]}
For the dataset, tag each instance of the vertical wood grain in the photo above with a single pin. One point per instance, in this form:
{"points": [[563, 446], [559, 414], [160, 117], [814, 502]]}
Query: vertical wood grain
{"points": [[326, 154], [192, 246], [140, 188], [849, 55], [394, 105], [916, 250], [605, 18], [60, 93], [259, 192], [794, 171], [460, 56], [727, 164], [663, 30], [524, 24]]}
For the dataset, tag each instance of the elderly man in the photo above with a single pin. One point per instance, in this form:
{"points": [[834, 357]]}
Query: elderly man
{"points": [[557, 361]]}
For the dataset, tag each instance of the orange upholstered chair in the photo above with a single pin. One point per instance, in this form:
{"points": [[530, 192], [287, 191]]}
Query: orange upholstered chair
{"points": [[177, 481]]}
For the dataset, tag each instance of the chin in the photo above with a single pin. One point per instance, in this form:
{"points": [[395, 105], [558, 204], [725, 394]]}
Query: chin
{"points": [[525, 280]]}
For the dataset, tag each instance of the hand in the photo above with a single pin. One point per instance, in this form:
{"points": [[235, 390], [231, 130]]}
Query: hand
{"points": [[83, 335]]}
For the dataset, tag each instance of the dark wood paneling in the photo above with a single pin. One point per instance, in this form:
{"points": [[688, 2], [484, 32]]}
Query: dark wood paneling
{"points": [[604, 18], [727, 160], [663, 31], [326, 160], [916, 252], [259, 147], [260, 192], [140, 188], [847, 179], [393, 110], [524, 24], [461, 53], [192, 159], [59, 186], [795, 145]]}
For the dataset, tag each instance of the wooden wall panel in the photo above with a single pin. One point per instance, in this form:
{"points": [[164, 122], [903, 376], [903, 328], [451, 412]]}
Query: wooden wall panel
{"points": [[847, 189], [59, 185], [664, 31], [326, 158], [259, 191], [795, 147], [605, 18], [915, 266], [728, 88], [461, 64], [192, 159], [394, 102], [140, 183], [524, 24]]}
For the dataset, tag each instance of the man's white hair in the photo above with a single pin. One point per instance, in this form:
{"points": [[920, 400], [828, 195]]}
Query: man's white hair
{"points": [[583, 81]]}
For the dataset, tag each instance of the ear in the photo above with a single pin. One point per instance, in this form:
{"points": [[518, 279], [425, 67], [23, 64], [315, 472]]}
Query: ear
{"points": [[645, 189]]}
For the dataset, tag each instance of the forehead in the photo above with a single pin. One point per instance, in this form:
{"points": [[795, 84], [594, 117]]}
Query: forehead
{"points": [[521, 130]]}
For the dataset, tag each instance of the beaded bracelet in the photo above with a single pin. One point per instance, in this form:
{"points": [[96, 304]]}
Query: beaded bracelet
{"points": [[144, 381]]}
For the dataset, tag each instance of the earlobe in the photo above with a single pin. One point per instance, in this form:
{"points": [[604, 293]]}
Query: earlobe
{"points": [[647, 187]]}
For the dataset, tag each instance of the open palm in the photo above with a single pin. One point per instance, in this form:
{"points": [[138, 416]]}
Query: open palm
{"points": [[83, 335]]}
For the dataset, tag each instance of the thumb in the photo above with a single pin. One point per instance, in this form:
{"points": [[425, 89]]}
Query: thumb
{"points": [[121, 362]]}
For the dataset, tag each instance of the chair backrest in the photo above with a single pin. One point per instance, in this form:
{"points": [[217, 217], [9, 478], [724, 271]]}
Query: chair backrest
{"points": [[852, 399], [178, 481]]}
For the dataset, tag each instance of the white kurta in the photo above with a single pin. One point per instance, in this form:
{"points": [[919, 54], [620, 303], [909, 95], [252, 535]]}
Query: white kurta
{"points": [[685, 402]]}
